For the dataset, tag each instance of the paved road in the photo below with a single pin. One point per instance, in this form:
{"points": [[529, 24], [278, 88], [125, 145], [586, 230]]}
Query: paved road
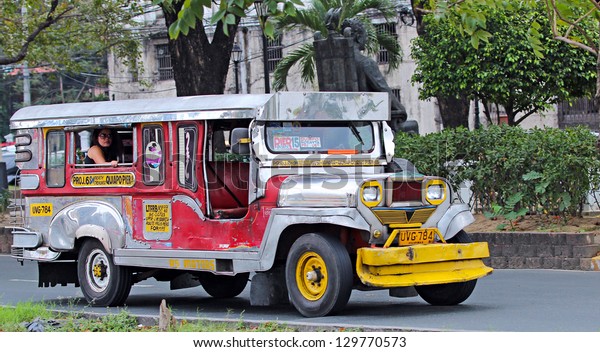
{"points": [[508, 300]]}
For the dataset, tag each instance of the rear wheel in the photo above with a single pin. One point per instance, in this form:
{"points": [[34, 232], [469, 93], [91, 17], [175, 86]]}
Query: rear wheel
{"points": [[223, 286], [449, 294], [102, 282], [318, 275]]}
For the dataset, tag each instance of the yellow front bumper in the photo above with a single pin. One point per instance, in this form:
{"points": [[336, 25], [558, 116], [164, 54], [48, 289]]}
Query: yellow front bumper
{"points": [[423, 264]]}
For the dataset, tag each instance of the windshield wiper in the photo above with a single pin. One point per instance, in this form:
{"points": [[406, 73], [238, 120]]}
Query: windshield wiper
{"points": [[356, 133]]}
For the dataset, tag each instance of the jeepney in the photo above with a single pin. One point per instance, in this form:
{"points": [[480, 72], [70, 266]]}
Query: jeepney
{"points": [[297, 193]]}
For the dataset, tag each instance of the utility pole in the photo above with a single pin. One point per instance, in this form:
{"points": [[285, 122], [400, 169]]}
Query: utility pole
{"points": [[26, 81], [26, 85]]}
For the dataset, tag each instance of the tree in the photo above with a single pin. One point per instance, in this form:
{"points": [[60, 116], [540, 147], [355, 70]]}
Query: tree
{"points": [[454, 109], [575, 22], [200, 64], [55, 32], [502, 70], [313, 17]]}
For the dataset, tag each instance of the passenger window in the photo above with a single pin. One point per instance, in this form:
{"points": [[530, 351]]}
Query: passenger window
{"points": [[122, 137], [187, 144], [153, 161], [55, 159]]}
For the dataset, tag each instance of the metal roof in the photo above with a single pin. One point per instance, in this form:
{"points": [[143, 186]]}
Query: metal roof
{"points": [[281, 106]]}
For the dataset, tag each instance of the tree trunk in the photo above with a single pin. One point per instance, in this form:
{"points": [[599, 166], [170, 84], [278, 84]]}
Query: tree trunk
{"points": [[597, 95], [454, 111], [418, 6], [200, 66]]}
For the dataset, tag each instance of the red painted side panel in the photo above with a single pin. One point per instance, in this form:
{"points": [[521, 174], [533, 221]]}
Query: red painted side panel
{"points": [[190, 227]]}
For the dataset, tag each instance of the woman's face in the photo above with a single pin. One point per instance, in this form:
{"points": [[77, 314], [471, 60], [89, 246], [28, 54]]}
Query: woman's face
{"points": [[105, 138]]}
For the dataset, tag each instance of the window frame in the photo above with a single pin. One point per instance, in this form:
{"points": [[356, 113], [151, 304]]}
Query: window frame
{"points": [[181, 156], [146, 169], [164, 64], [50, 176]]}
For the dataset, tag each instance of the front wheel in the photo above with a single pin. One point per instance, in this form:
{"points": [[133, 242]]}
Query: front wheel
{"points": [[318, 275], [102, 282], [449, 294]]}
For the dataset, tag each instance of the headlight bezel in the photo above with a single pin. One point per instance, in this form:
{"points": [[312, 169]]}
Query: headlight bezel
{"points": [[436, 191], [375, 198]]}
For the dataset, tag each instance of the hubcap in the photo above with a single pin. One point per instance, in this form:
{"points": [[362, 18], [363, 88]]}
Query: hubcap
{"points": [[311, 276], [98, 273]]}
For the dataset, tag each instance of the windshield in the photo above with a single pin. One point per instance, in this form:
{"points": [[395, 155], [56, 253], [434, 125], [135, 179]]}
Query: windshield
{"points": [[348, 137]]}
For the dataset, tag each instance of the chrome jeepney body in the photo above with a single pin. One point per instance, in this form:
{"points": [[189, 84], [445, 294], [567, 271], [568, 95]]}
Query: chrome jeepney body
{"points": [[313, 170]]}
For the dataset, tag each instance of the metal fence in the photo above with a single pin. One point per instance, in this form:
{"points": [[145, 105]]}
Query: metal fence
{"points": [[582, 111]]}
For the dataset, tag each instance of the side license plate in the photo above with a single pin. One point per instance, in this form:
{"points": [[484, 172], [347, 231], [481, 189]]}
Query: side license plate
{"points": [[416, 236]]}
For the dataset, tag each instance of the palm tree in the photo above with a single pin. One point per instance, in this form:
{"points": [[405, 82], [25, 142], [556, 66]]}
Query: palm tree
{"points": [[314, 17]]}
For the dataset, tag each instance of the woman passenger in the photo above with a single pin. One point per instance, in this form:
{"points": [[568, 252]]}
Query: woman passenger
{"points": [[105, 148]]}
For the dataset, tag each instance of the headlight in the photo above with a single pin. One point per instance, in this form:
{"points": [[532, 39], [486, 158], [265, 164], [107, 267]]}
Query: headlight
{"points": [[371, 193], [435, 192]]}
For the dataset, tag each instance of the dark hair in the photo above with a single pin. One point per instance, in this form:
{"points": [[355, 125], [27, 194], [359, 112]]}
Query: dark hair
{"points": [[115, 150]]}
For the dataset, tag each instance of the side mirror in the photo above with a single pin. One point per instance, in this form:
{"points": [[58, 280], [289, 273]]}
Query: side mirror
{"points": [[240, 141]]}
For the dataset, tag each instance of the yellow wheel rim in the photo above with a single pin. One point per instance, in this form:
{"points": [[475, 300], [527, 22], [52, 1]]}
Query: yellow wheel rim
{"points": [[311, 276]]}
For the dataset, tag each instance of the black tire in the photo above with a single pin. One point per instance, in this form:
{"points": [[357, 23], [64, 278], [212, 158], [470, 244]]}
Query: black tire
{"points": [[223, 286], [102, 282], [449, 294], [318, 275]]}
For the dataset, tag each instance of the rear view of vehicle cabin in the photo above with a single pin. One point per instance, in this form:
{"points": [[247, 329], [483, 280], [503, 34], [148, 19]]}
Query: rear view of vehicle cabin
{"points": [[219, 191]]}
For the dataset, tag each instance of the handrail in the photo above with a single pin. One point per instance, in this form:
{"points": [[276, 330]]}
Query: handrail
{"points": [[84, 166]]}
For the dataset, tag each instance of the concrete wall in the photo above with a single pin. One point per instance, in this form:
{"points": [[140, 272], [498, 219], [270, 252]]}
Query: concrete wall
{"points": [[567, 251]]}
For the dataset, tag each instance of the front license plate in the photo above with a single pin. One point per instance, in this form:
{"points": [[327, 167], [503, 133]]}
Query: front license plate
{"points": [[416, 236]]}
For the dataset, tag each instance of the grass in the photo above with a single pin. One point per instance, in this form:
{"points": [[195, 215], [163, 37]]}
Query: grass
{"points": [[16, 319]]}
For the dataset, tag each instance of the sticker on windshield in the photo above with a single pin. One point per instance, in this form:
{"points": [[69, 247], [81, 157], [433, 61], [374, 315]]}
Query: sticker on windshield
{"points": [[295, 143]]}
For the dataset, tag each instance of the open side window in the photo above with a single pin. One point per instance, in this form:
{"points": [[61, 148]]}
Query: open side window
{"points": [[228, 168], [82, 141]]}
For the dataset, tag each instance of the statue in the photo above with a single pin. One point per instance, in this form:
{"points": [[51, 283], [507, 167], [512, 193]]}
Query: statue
{"points": [[341, 66]]}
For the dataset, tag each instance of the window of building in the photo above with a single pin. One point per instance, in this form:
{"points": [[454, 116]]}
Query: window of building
{"points": [[154, 158], [163, 57], [55, 159], [134, 75], [274, 52], [390, 29]]}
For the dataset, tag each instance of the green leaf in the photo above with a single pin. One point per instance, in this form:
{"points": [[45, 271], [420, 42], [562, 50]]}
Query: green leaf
{"points": [[269, 29], [229, 19], [532, 175], [237, 11], [217, 16], [289, 9], [189, 19], [197, 7], [541, 187], [514, 199]]}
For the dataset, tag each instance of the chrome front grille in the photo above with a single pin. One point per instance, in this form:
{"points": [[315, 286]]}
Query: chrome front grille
{"points": [[389, 216]]}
